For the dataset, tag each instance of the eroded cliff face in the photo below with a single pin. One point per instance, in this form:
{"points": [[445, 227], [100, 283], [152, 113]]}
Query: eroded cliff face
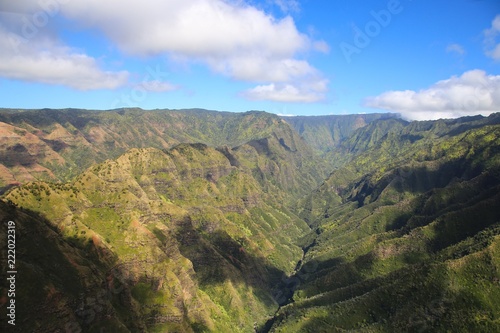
{"points": [[399, 232], [59, 144], [215, 236], [22, 155], [196, 238]]}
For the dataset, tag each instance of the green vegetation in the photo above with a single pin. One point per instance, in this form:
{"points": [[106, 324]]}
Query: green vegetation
{"points": [[408, 234], [200, 221], [59, 144], [199, 238]]}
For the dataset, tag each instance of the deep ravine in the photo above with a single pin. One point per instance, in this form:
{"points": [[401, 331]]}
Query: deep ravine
{"points": [[288, 285]]}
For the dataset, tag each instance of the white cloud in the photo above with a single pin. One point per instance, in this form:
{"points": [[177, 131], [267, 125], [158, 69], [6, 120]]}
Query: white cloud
{"points": [[492, 46], [456, 48], [287, 6], [495, 53], [20, 6], [472, 93], [258, 68], [231, 37], [43, 60], [321, 46], [304, 93], [197, 28], [157, 86]]}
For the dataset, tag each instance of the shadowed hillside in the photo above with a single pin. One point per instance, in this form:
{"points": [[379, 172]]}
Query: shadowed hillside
{"points": [[406, 235], [199, 221], [202, 233], [59, 144]]}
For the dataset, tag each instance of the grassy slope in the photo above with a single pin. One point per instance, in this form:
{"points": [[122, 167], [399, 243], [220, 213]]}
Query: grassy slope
{"points": [[59, 144], [325, 133], [60, 284], [408, 236], [406, 233], [201, 241]]}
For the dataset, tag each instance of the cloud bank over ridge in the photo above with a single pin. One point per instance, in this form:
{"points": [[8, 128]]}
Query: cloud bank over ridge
{"points": [[472, 93]]}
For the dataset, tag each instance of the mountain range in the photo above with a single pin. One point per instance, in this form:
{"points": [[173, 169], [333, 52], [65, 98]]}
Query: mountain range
{"points": [[202, 221]]}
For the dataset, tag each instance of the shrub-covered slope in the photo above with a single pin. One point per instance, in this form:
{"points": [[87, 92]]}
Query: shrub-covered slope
{"points": [[201, 235], [408, 235], [59, 144], [325, 133], [226, 225]]}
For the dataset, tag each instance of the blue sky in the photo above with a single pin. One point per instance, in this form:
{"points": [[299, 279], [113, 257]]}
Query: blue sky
{"points": [[424, 59]]}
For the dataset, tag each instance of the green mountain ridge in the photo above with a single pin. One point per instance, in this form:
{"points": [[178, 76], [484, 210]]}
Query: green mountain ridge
{"points": [[208, 232], [254, 223], [325, 133], [402, 229], [59, 144]]}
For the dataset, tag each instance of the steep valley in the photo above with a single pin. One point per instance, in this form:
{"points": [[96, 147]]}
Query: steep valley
{"points": [[202, 221], [406, 242]]}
